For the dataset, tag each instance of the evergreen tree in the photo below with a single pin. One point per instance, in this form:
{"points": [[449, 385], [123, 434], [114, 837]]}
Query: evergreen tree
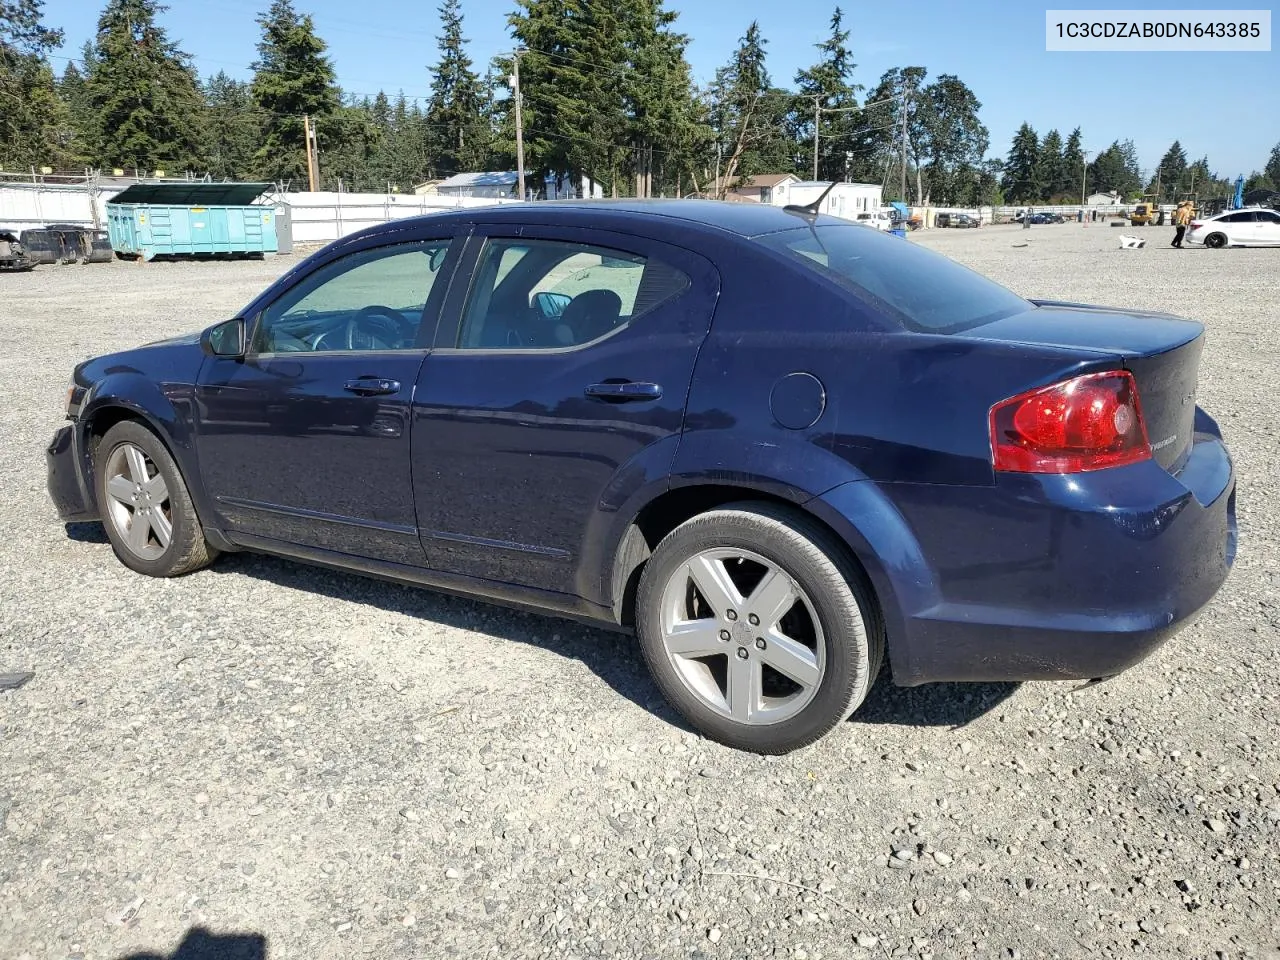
{"points": [[460, 132], [1072, 164], [1022, 176], [73, 90], [573, 76], [1053, 177], [1259, 181], [951, 140], [829, 83], [232, 127], [34, 122], [664, 126], [143, 92], [748, 115], [1116, 169], [292, 78], [1272, 169], [1171, 172]]}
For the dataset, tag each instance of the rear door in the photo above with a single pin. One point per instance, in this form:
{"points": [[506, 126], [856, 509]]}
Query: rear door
{"points": [[558, 388]]}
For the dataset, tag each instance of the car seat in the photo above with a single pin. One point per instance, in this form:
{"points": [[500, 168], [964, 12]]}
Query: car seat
{"points": [[588, 316]]}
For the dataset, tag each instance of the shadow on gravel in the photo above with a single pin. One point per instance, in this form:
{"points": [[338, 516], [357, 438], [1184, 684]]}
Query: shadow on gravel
{"points": [[200, 944], [953, 705], [613, 657], [86, 533]]}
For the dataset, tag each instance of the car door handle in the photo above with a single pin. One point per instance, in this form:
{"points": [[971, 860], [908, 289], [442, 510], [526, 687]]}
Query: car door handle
{"points": [[625, 392], [371, 386]]}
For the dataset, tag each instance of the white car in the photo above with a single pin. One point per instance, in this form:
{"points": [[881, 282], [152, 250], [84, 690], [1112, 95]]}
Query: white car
{"points": [[1251, 227], [877, 219]]}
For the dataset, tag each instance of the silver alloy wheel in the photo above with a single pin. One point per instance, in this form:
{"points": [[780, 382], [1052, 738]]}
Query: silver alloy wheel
{"points": [[743, 636], [138, 502]]}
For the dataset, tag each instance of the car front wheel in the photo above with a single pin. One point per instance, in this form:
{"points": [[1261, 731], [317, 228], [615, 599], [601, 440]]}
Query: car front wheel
{"points": [[757, 627], [146, 509]]}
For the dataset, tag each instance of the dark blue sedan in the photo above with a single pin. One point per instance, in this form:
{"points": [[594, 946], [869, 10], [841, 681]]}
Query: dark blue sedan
{"points": [[778, 446]]}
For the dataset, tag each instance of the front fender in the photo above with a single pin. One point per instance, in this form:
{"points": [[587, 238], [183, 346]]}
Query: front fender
{"points": [[165, 408]]}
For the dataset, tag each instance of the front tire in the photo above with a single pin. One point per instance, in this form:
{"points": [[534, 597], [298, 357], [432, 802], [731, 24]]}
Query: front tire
{"points": [[757, 627], [146, 509], [1215, 241]]}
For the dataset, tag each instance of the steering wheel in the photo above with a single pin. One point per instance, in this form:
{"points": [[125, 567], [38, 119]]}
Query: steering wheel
{"points": [[375, 328]]}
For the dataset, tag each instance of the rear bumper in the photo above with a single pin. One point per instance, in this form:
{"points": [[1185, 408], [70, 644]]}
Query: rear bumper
{"points": [[66, 482], [1054, 577]]}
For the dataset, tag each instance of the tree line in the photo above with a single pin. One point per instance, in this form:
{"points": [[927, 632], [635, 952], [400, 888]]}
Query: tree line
{"points": [[607, 95], [1049, 170]]}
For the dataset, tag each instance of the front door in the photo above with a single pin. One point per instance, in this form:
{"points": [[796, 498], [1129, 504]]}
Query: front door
{"points": [[1267, 227], [560, 386], [306, 440]]}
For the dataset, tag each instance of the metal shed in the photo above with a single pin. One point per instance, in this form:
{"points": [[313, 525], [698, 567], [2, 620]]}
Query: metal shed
{"points": [[191, 220]]}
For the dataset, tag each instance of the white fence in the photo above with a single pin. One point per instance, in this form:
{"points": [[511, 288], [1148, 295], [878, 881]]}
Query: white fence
{"points": [[322, 217], [317, 217], [23, 206]]}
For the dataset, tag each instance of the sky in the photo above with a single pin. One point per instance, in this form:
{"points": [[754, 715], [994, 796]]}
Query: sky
{"points": [[1219, 105]]}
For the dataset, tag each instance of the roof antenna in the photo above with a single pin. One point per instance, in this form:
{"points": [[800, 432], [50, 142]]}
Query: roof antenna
{"points": [[810, 209]]}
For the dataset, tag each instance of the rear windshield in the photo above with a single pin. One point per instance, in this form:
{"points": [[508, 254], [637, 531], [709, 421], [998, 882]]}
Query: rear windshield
{"points": [[922, 290]]}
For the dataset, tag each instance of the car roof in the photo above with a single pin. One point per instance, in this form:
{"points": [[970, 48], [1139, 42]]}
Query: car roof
{"points": [[740, 219]]}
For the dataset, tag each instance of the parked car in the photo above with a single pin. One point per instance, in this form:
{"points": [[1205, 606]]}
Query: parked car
{"points": [[965, 220], [876, 219], [1251, 227], [13, 258], [777, 446], [942, 219]]}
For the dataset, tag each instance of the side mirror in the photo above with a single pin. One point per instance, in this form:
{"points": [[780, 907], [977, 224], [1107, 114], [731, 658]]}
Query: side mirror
{"points": [[551, 305], [226, 339]]}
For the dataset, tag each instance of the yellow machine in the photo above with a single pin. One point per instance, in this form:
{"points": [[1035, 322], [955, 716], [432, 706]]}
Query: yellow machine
{"points": [[1145, 211]]}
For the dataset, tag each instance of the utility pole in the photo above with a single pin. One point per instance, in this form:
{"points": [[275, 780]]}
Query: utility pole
{"points": [[904, 145], [1084, 171], [817, 122], [309, 135], [515, 87]]}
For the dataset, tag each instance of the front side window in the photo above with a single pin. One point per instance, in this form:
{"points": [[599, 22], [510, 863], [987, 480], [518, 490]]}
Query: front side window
{"points": [[922, 290], [372, 300], [549, 294]]}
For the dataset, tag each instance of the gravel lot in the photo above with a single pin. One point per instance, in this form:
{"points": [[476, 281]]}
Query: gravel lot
{"points": [[350, 768]]}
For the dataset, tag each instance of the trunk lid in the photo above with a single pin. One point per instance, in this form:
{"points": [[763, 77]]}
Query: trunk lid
{"points": [[1161, 351]]}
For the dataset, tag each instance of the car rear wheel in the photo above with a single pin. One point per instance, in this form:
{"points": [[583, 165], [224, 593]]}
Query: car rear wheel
{"points": [[1215, 240], [757, 627], [146, 509]]}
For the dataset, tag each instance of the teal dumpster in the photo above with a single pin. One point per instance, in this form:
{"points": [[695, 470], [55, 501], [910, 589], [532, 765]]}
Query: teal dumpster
{"points": [[151, 220]]}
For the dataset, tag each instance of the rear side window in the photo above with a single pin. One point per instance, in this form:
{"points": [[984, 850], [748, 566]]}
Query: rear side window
{"points": [[924, 291], [551, 294]]}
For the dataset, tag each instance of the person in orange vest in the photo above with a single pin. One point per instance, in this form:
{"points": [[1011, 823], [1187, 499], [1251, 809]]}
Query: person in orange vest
{"points": [[1180, 220]]}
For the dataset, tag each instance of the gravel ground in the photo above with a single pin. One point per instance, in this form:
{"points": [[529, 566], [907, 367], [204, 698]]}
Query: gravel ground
{"points": [[351, 768]]}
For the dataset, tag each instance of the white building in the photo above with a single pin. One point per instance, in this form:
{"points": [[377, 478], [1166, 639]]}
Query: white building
{"points": [[846, 200], [768, 188], [502, 185], [1104, 200]]}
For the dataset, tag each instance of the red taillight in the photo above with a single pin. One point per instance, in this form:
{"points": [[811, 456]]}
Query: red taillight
{"points": [[1196, 224], [1086, 423]]}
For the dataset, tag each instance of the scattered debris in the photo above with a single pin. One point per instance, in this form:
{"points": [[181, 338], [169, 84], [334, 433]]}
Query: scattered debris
{"points": [[12, 681]]}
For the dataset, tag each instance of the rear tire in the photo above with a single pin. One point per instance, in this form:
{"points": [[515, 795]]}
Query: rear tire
{"points": [[1215, 241], [146, 509], [758, 628]]}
